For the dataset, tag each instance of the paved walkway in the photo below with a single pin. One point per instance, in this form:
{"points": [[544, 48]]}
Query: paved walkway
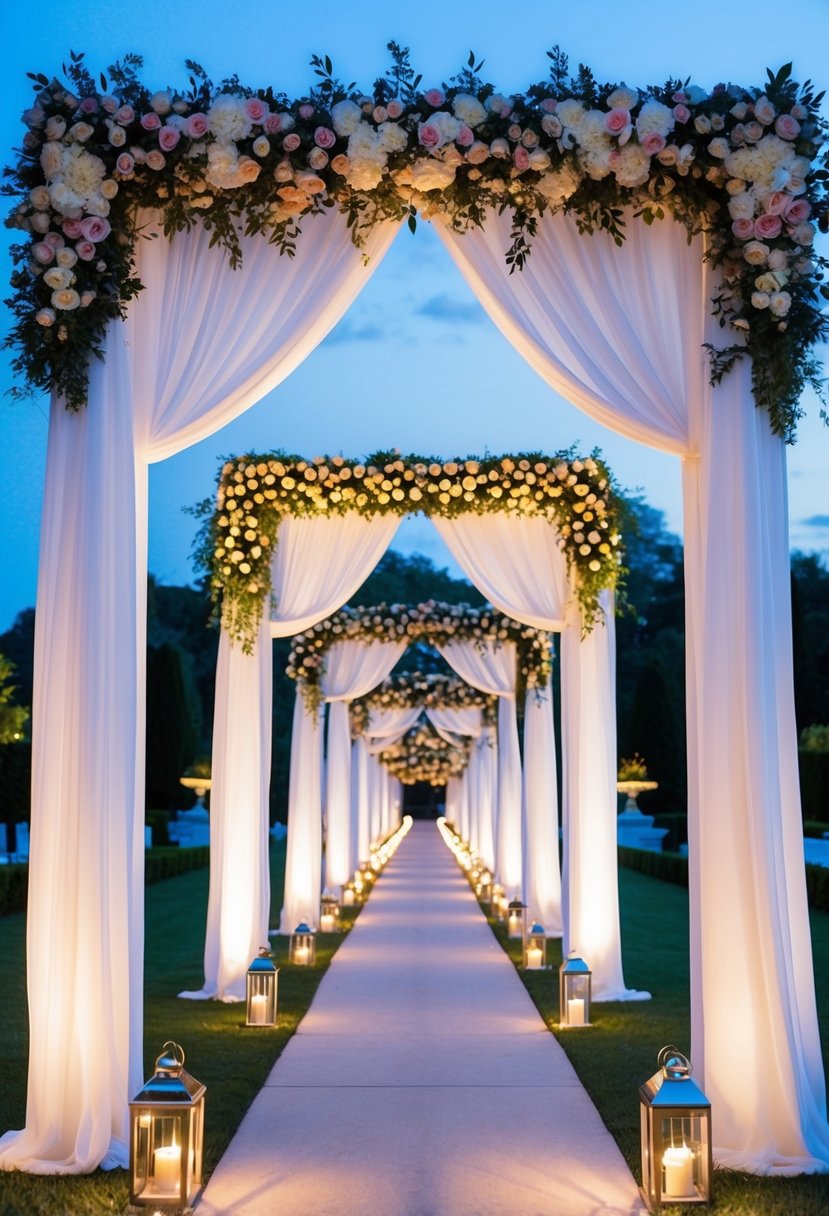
{"points": [[422, 1081]]}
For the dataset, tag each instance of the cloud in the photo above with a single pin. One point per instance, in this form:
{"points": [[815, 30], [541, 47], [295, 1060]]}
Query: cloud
{"points": [[352, 331], [444, 307], [816, 521]]}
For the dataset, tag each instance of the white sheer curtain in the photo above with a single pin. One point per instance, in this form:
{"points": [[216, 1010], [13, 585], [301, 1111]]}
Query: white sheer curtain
{"points": [[318, 564], [492, 668], [485, 760], [352, 670], [542, 869], [385, 727], [468, 724], [198, 347], [619, 332]]}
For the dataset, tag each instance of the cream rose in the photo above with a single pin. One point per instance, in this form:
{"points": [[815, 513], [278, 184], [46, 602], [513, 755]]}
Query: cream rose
{"points": [[468, 110]]}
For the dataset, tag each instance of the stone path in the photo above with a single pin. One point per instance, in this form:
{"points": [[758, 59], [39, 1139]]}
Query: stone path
{"points": [[422, 1081]]}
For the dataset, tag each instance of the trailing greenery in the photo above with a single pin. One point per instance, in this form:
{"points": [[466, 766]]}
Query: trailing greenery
{"points": [[255, 492], [424, 755], [740, 164], [429, 690]]}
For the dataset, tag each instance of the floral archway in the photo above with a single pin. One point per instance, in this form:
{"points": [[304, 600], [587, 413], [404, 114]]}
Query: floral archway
{"points": [[738, 166]]}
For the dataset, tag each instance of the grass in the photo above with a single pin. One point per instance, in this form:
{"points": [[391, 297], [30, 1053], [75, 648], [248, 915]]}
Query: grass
{"points": [[619, 1052], [231, 1060]]}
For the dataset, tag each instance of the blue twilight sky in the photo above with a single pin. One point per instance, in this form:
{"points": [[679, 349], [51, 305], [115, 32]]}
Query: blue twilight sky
{"points": [[415, 364]]}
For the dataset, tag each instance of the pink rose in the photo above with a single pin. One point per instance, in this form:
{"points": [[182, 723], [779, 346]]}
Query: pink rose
{"points": [[109, 104], [394, 109], [681, 113], [168, 137], [95, 229], [55, 240], [89, 105], [743, 229], [317, 158], [273, 123], [428, 135], [435, 97], [767, 227], [72, 229], [85, 251], [196, 126], [324, 137], [787, 127], [617, 119], [753, 131], [125, 164], [653, 143], [156, 160], [256, 109], [465, 137], [478, 153], [521, 158], [777, 202], [679, 97], [291, 142], [150, 122], [797, 211], [306, 111], [43, 253], [124, 115], [548, 104], [379, 114]]}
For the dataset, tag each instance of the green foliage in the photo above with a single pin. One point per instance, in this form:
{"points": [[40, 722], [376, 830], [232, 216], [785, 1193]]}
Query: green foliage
{"points": [[813, 767], [814, 739], [162, 863], [13, 718], [171, 737]]}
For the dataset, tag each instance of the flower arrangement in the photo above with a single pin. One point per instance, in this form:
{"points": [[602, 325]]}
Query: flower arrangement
{"points": [[429, 622], [632, 770], [577, 494], [432, 690], [422, 755], [738, 163]]}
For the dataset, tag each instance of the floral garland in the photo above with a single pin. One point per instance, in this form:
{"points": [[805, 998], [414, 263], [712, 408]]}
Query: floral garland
{"points": [[255, 492], [739, 163], [422, 755], [432, 690], [430, 622]]}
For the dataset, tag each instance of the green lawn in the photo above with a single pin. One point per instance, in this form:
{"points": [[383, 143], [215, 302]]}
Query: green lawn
{"points": [[619, 1051]]}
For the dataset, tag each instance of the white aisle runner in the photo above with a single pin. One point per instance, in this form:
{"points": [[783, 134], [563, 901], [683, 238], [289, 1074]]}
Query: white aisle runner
{"points": [[422, 1081]]}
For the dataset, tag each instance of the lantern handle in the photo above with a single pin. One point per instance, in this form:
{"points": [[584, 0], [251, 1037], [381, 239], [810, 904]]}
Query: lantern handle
{"points": [[669, 1053], [176, 1052]]}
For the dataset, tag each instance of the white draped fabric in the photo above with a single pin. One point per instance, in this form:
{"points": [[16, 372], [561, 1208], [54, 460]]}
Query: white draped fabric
{"points": [[619, 331], [385, 728], [468, 724], [542, 871], [352, 670], [492, 668], [485, 760], [198, 347]]}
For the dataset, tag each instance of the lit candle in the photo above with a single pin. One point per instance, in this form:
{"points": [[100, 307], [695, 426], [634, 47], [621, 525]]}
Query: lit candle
{"points": [[678, 1161], [348, 897], [259, 1009], [167, 1168], [533, 958], [575, 1011], [301, 955], [514, 926], [327, 923]]}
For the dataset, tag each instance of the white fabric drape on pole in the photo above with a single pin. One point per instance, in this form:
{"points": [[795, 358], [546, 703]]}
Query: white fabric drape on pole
{"points": [[198, 347], [486, 761], [466, 723], [640, 371], [542, 871], [492, 668], [385, 728]]}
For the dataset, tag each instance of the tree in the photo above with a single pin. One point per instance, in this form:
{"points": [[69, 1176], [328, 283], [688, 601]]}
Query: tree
{"points": [[172, 741], [13, 718]]}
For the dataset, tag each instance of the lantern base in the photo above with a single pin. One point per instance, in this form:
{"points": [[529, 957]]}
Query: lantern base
{"points": [[160, 1208], [670, 1201]]}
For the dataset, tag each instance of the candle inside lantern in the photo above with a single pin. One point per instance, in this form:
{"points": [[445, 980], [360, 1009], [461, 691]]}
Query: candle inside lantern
{"points": [[534, 959], [678, 1161], [326, 923], [575, 1011], [301, 955], [259, 1009], [167, 1168], [348, 897]]}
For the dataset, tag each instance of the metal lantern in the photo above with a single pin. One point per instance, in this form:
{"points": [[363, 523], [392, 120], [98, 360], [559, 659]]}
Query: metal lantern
{"points": [[368, 876], [676, 1134], [483, 887], [349, 895], [535, 949], [574, 991], [498, 904], [261, 990], [516, 919], [302, 950], [329, 913], [167, 1134], [359, 886]]}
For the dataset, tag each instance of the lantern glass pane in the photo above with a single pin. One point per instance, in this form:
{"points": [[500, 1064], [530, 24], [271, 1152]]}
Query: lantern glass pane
{"points": [[576, 1010], [535, 956], [261, 998], [684, 1161]]}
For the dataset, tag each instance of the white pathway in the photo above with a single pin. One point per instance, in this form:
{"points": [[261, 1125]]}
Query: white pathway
{"points": [[422, 1081]]}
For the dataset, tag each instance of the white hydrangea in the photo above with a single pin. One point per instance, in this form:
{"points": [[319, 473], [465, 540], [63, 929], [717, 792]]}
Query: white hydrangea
{"points": [[558, 186], [468, 110], [364, 173], [392, 137], [432, 174], [767, 164], [447, 126], [571, 113], [222, 166], [228, 120], [654, 119], [742, 206], [623, 98], [633, 166], [346, 117], [364, 141]]}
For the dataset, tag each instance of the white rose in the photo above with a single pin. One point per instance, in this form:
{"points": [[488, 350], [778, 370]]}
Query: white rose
{"points": [[766, 283], [345, 117], [477, 153], [623, 98], [756, 253], [446, 125], [741, 206], [719, 147], [161, 102], [96, 204], [468, 110], [497, 102], [539, 160], [759, 299], [66, 257], [317, 158], [117, 136], [804, 234], [392, 137], [764, 111], [571, 113], [778, 259], [633, 166], [739, 111], [261, 146], [65, 300], [51, 159], [654, 119], [56, 277], [46, 317], [108, 188], [432, 174], [40, 222], [558, 186], [551, 125], [39, 198], [702, 123], [779, 303]]}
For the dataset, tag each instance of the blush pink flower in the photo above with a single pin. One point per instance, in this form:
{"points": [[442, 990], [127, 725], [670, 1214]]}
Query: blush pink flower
{"points": [[85, 250], [324, 137], [465, 137], [150, 122], [787, 127], [89, 105], [272, 123], [394, 109], [196, 125], [777, 202], [743, 229], [616, 120], [256, 109], [435, 97], [379, 114], [125, 164], [681, 113], [95, 229], [798, 211], [156, 160], [340, 164], [168, 137], [679, 97], [653, 143], [72, 229], [291, 142], [548, 105], [306, 111], [55, 240], [428, 135], [767, 227], [43, 253], [521, 158]]}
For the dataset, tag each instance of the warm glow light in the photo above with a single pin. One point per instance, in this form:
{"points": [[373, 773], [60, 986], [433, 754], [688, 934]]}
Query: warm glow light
{"points": [[679, 1172]]}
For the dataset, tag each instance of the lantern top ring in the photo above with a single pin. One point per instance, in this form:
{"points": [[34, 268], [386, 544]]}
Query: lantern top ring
{"points": [[171, 1061], [674, 1064]]}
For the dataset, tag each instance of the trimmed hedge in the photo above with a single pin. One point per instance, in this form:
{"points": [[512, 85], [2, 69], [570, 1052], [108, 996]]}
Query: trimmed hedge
{"points": [[814, 784], [158, 865], [670, 867]]}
